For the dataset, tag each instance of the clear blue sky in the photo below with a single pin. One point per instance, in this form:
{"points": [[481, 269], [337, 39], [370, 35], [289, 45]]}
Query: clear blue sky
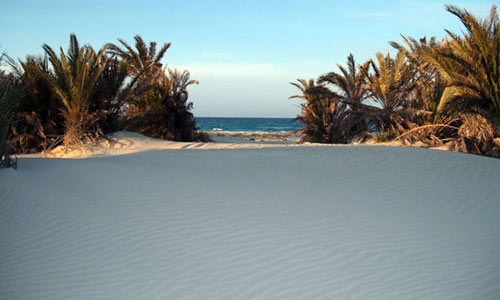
{"points": [[244, 53]]}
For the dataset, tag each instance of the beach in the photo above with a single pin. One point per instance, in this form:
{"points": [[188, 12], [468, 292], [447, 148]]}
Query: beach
{"points": [[360, 163], [148, 219], [288, 137]]}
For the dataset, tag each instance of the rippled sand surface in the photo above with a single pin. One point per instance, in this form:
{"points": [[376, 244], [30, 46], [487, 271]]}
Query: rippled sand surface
{"points": [[358, 222]]}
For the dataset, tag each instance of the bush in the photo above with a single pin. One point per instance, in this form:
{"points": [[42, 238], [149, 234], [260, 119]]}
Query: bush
{"points": [[385, 136], [476, 136], [82, 94], [10, 93]]}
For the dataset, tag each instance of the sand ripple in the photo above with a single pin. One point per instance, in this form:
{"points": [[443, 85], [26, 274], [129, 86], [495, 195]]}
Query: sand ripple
{"points": [[283, 223]]}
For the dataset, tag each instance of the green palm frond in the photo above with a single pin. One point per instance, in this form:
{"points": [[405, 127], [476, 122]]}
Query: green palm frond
{"points": [[11, 93], [391, 85], [73, 79], [162, 110], [350, 83], [430, 84], [142, 59], [470, 64], [350, 88], [322, 113]]}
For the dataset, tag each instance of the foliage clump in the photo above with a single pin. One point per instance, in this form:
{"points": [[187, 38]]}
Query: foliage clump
{"points": [[385, 136], [434, 92], [10, 93], [79, 95]]}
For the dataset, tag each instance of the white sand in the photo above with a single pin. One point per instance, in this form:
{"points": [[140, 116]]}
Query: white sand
{"points": [[254, 137], [359, 222], [125, 142]]}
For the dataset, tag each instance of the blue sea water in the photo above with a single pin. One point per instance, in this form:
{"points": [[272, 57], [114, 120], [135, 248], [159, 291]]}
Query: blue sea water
{"points": [[247, 124]]}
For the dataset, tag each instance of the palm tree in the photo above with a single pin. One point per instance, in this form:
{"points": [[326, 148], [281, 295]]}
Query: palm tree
{"points": [[10, 94], [430, 84], [469, 101], [432, 127], [164, 111], [110, 95], [143, 63], [144, 68], [390, 86], [350, 84], [180, 119], [321, 113], [157, 96], [38, 120], [73, 80], [470, 64], [350, 88]]}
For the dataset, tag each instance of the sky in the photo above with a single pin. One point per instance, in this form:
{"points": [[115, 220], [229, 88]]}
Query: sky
{"points": [[243, 53]]}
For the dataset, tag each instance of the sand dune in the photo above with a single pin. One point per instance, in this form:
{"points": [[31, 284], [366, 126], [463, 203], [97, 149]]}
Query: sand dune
{"points": [[274, 223], [125, 142]]}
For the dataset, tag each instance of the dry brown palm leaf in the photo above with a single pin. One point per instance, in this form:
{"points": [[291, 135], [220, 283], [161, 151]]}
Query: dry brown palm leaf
{"points": [[476, 136], [431, 135], [425, 134]]}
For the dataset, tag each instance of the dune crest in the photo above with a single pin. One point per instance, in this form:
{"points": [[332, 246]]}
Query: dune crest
{"points": [[125, 142]]}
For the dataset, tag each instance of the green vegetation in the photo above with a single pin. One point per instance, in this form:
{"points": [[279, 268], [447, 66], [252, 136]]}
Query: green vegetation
{"points": [[73, 79], [157, 96], [435, 92], [348, 89], [82, 94], [319, 112], [10, 93], [385, 136]]}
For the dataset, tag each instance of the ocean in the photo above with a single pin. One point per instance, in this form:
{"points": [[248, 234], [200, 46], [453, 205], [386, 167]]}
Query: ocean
{"points": [[247, 124]]}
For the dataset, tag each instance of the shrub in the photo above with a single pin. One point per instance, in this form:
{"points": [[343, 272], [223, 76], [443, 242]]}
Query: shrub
{"points": [[10, 93], [385, 136]]}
